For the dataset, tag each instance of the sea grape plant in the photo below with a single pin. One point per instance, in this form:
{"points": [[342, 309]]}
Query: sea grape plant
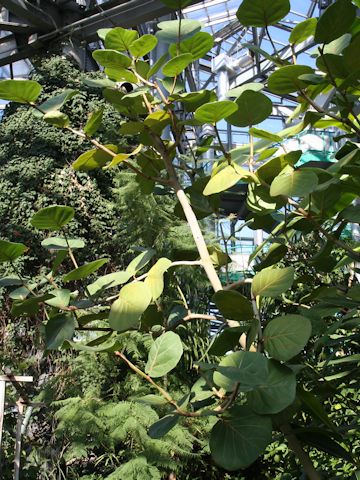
{"points": [[261, 378]]}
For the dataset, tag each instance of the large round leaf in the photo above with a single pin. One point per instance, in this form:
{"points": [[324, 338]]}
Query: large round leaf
{"points": [[228, 339], [335, 21], [110, 280], [155, 277], [296, 183], [286, 79], [21, 91], [126, 311], [213, 112], [120, 38], [143, 45], [237, 91], [303, 30], [261, 13], [164, 355], [59, 243], [10, 251], [272, 282], [249, 369], [277, 393], [85, 270], [93, 159], [111, 58], [253, 108], [172, 31], [233, 305], [177, 64], [52, 218], [221, 181], [198, 45], [59, 328], [286, 336], [239, 437]]}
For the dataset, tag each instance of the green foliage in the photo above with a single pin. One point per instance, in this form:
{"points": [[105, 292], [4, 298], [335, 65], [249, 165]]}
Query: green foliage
{"points": [[301, 314]]}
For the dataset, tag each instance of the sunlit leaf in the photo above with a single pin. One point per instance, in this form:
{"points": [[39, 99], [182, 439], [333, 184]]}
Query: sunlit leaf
{"points": [[52, 218], [286, 336], [126, 311], [164, 355], [271, 282]]}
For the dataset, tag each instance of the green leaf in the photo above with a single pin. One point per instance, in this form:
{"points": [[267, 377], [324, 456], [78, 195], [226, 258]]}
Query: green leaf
{"points": [[85, 270], [286, 79], [257, 132], [276, 252], [198, 45], [322, 441], [109, 346], [155, 278], [221, 181], [57, 119], [59, 243], [139, 262], [93, 159], [59, 328], [272, 282], [94, 122], [21, 91], [193, 100], [332, 64], [125, 312], [143, 45], [227, 340], [10, 280], [28, 307], [237, 91], [248, 369], [314, 405], [286, 336], [52, 218], [277, 393], [120, 38], [351, 213], [61, 298], [157, 65], [335, 21], [233, 305], [269, 170], [56, 102], [111, 59], [253, 108], [261, 13], [110, 280], [302, 31], [239, 437], [177, 64], [152, 400], [163, 426], [165, 353], [169, 30], [296, 183], [213, 112], [102, 32], [120, 74], [10, 251]]}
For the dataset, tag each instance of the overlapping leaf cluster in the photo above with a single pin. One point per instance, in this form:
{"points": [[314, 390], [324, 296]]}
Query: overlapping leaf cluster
{"points": [[253, 390]]}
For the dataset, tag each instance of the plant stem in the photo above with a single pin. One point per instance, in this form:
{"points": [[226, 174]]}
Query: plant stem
{"points": [[221, 145], [300, 453]]}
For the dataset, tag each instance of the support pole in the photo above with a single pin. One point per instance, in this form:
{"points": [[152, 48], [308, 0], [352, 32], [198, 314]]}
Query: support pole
{"points": [[2, 411]]}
